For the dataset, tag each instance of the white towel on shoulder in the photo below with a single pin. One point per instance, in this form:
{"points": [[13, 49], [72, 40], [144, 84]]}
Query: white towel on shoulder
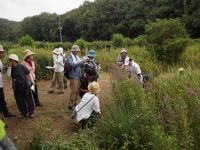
{"points": [[76, 59]]}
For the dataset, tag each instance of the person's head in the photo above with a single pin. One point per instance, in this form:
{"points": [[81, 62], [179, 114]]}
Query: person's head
{"points": [[1, 51], [28, 55], [181, 70], [56, 52], [91, 74], [91, 54], [75, 49], [61, 50], [13, 59], [94, 88], [123, 53]]}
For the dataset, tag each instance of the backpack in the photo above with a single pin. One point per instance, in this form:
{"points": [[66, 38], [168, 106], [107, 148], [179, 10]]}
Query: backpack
{"points": [[66, 68]]}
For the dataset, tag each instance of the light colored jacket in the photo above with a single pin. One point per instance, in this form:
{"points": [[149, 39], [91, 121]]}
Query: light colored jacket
{"points": [[87, 110], [58, 63], [74, 67], [30, 68]]}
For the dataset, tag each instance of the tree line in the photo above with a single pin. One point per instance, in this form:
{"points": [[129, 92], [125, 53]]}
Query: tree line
{"points": [[100, 19]]}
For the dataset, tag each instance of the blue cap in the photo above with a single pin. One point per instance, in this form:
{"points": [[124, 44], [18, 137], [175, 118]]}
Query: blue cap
{"points": [[91, 53]]}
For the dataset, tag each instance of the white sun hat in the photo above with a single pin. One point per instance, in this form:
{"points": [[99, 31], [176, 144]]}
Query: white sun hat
{"points": [[13, 57], [123, 50], [61, 50], [56, 51], [1, 48]]}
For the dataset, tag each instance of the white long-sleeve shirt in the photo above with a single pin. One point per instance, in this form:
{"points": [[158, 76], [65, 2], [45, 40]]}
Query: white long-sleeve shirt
{"points": [[58, 63], [87, 110], [1, 77]]}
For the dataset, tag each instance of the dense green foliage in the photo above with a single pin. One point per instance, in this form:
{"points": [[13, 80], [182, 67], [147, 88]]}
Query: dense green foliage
{"points": [[100, 19]]}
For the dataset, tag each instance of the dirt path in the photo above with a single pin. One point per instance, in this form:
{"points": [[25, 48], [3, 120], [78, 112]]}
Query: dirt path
{"points": [[54, 112]]}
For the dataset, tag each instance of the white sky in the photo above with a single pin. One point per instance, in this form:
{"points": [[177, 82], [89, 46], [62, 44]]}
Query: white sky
{"points": [[17, 10]]}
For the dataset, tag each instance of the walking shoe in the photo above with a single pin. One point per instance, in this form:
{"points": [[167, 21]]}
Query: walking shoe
{"points": [[9, 115], [31, 116], [50, 92], [38, 104]]}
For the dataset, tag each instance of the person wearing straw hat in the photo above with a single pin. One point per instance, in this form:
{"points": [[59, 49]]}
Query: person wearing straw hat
{"points": [[88, 110], [3, 106], [74, 63], [21, 82], [121, 58], [58, 72], [29, 63]]}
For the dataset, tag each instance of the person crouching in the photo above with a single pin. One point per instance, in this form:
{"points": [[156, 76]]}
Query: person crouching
{"points": [[21, 81], [88, 110]]}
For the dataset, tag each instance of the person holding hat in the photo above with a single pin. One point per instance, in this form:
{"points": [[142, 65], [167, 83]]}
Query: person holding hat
{"points": [[88, 110], [121, 58], [30, 65], [21, 82], [74, 63], [58, 72], [3, 105]]}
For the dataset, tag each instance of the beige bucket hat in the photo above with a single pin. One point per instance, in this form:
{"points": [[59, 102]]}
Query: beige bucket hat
{"points": [[75, 48], [27, 53], [94, 87]]}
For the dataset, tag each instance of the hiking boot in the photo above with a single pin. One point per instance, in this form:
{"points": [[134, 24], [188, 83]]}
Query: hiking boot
{"points": [[38, 104], [9, 115]]}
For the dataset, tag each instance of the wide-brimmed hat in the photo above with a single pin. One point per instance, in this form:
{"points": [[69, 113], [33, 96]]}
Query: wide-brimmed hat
{"points": [[13, 57], [181, 69], [56, 51], [1, 48], [61, 50], [75, 48], [91, 53], [27, 53], [94, 87], [123, 50]]}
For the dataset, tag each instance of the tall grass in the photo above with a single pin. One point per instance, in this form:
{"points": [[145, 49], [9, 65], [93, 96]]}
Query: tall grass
{"points": [[169, 110]]}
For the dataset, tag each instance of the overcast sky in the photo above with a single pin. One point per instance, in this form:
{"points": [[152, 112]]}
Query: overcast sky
{"points": [[17, 10]]}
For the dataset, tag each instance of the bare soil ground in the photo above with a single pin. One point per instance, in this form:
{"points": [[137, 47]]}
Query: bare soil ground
{"points": [[54, 112]]}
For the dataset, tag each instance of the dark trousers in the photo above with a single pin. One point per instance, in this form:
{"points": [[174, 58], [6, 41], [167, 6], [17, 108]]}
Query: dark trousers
{"points": [[24, 100], [35, 95], [88, 123], [3, 105]]}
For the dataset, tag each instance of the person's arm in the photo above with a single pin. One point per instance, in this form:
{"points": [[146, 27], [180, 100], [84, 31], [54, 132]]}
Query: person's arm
{"points": [[8, 73], [72, 64], [119, 61], [96, 106]]}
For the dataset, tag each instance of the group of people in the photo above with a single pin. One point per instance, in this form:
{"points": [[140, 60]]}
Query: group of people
{"points": [[82, 75]]}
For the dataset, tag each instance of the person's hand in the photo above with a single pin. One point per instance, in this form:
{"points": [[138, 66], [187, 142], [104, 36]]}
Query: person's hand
{"points": [[85, 59]]}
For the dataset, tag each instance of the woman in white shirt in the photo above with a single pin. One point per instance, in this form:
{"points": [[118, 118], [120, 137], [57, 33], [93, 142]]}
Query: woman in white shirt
{"points": [[88, 110], [58, 72]]}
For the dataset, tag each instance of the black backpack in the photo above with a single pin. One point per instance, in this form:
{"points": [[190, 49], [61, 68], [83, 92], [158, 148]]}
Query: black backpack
{"points": [[66, 68]]}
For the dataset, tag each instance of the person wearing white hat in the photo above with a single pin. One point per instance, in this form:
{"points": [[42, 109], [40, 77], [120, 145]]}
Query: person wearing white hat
{"points": [[58, 72], [88, 110], [29, 63], [21, 82], [74, 63], [64, 60], [121, 58], [3, 106]]}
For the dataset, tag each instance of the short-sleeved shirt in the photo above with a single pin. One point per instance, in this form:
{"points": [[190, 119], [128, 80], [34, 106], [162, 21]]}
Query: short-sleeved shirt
{"points": [[19, 74]]}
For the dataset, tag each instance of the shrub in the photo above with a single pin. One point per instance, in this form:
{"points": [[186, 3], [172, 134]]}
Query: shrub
{"points": [[127, 42], [82, 43], [129, 123], [84, 140], [118, 40], [26, 41], [40, 45], [160, 32], [140, 41], [65, 45], [99, 45]]}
